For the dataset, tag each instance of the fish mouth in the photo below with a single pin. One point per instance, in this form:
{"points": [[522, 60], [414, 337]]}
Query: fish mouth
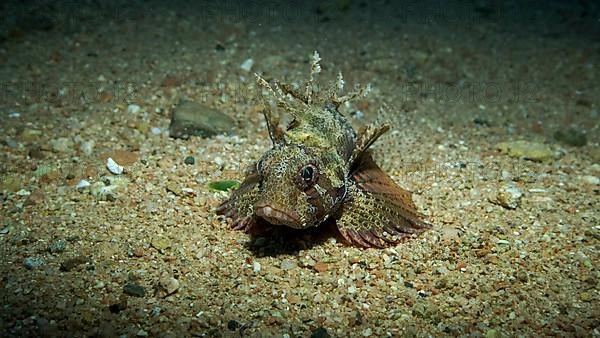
{"points": [[276, 216]]}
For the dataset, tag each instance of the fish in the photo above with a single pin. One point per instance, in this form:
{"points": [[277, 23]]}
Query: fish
{"points": [[320, 168]]}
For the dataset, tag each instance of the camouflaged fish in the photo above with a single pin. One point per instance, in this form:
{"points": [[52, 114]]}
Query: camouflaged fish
{"points": [[318, 169]]}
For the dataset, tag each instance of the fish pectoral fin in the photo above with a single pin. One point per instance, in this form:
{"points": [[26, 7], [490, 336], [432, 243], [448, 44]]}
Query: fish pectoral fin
{"points": [[366, 138], [377, 212], [240, 205]]}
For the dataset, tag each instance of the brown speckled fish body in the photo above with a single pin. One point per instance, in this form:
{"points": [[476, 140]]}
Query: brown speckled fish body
{"points": [[320, 168]]}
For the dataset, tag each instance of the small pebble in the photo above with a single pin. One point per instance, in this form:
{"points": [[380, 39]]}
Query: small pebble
{"points": [[155, 130], [233, 325], [287, 264], [33, 262], [508, 197], [168, 285], [61, 144], [359, 115], [124, 157], [134, 290], [492, 333], [522, 276], [57, 246], [138, 252], [133, 109], [107, 190], [13, 144], [319, 298], [194, 119], [247, 65], [23, 192], [155, 311], [189, 160], [321, 266], [72, 263], [591, 180], [30, 135], [87, 147], [442, 270], [256, 266], [354, 259], [160, 244], [585, 296], [450, 234]]}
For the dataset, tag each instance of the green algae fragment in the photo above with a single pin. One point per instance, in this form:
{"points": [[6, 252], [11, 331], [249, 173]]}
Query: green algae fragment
{"points": [[533, 151], [42, 170], [224, 185]]}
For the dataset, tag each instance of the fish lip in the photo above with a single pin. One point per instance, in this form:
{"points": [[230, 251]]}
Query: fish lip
{"points": [[276, 216]]}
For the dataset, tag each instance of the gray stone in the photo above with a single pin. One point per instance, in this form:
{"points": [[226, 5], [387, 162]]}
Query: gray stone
{"points": [[194, 119], [189, 160], [287, 264], [61, 144], [134, 290], [33, 262], [57, 246], [508, 197]]}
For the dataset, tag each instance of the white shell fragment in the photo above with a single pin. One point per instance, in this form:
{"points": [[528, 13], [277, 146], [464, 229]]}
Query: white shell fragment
{"points": [[256, 266], [23, 192], [114, 167], [247, 65], [133, 109], [82, 185]]}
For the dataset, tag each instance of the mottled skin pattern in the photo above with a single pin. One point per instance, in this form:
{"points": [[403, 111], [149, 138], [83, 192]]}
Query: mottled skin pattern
{"points": [[320, 168]]}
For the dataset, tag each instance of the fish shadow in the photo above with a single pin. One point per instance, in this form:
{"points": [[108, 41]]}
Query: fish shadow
{"points": [[267, 240]]}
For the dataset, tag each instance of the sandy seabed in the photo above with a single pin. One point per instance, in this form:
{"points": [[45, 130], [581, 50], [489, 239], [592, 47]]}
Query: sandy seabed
{"points": [[514, 250]]}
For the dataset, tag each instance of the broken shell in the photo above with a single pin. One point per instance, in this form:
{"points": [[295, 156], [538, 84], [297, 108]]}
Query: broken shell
{"points": [[114, 167], [82, 185]]}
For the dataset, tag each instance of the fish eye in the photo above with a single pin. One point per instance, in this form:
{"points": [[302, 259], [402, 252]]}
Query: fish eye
{"points": [[308, 174]]}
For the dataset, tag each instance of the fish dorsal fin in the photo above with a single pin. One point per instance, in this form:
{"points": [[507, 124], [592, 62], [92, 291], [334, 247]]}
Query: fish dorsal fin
{"points": [[287, 89], [315, 68], [275, 131], [366, 138]]}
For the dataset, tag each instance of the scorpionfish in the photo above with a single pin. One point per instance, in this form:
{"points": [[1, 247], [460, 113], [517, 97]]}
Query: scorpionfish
{"points": [[320, 168]]}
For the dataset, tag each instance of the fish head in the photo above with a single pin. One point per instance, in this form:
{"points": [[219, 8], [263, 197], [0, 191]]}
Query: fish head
{"points": [[299, 187]]}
